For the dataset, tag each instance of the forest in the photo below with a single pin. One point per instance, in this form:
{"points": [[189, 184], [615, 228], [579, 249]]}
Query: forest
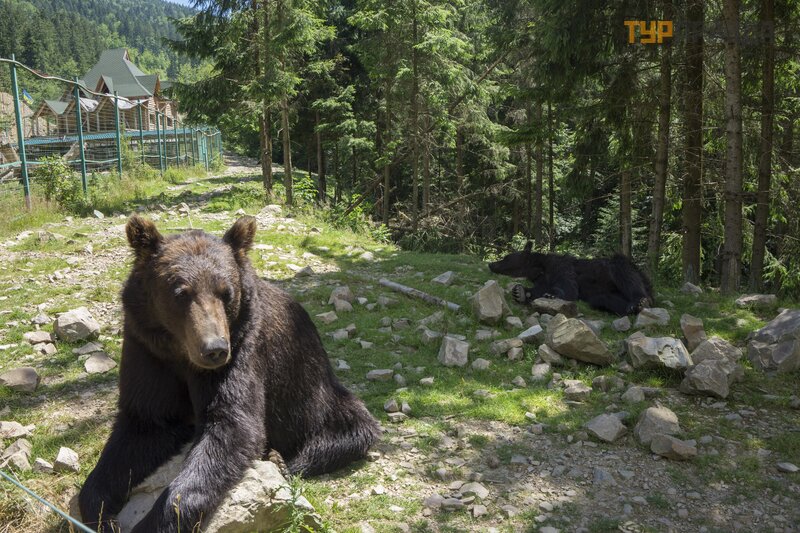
{"points": [[471, 124]]}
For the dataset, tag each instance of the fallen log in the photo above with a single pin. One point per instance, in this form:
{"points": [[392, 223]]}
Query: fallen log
{"points": [[416, 293]]}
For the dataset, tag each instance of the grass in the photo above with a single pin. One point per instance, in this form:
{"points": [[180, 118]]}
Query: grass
{"points": [[75, 410]]}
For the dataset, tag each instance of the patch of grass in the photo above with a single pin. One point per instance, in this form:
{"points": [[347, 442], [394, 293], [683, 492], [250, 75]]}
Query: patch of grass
{"points": [[604, 525]]}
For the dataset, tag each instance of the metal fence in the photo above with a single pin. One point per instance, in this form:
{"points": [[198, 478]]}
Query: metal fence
{"points": [[92, 129]]}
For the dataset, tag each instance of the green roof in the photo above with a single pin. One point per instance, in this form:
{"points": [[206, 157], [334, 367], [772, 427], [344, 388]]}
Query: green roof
{"points": [[114, 64], [57, 106]]}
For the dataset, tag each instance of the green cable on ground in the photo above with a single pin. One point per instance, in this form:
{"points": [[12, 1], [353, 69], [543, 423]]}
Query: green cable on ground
{"points": [[47, 503]]}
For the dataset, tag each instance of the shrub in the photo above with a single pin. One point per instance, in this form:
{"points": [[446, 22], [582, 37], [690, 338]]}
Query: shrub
{"points": [[61, 184]]}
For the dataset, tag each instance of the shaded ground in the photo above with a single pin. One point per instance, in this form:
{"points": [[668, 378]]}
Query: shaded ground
{"points": [[556, 478]]}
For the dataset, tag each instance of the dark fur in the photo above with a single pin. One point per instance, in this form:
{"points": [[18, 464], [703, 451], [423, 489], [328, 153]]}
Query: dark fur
{"points": [[276, 390], [612, 284]]}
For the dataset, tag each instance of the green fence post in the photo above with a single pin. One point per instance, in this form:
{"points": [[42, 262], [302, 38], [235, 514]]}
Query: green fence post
{"points": [[119, 138], [164, 140], [141, 132], [158, 138], [20, 135], [80, 136], [177, 146], [195, 147], [205, 149]]}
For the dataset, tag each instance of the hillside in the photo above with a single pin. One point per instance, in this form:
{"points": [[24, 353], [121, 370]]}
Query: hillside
{"points": [[65, 37]]}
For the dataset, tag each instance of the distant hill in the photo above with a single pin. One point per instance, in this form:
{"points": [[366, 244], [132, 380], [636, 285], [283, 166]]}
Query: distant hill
{"points": [[65, 37]]}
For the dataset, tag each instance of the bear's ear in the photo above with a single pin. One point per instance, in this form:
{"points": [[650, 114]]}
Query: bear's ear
{"points": [[240, 235], [528, 247], [143, 237]]}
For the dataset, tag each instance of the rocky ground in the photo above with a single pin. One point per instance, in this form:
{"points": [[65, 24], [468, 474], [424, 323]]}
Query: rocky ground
{"points": [[513, 436]]}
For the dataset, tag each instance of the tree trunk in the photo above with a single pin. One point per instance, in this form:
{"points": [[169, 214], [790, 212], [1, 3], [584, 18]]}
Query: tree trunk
{"points": [[322, 182], [732, 244], [765, 148], [287, 152], [265, 125], [693, 120], [387, 168], [414, 120], [460, 168], [625, 212], [538, 219], [528, 191], [426, 170], [550, 181], [662, 153], [337, 196]]}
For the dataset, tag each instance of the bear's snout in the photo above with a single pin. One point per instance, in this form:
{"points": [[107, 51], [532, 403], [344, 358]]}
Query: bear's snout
{"points": [[215, 351]]}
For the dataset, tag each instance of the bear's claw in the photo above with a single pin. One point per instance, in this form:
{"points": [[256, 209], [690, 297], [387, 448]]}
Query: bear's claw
{"points": [[274, 456], [519, 293]]}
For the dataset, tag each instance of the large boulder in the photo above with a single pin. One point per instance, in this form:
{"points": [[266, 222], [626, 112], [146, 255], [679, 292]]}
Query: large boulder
{"points": [[555, 306], [757, 301], [23, 379], [776, 346], [572, 338], [693, 331], [652, 316], [76, 325], [657, 352], [261, 502], [489, 303], [606, 427], [709, 377], [656, 421], [672, 448]]}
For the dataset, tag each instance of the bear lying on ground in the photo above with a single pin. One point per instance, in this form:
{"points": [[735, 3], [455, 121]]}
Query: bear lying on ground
{"points": [[215, 356], [612, 284]]}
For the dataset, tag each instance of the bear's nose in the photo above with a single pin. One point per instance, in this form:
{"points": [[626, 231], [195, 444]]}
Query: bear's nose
{"points": [[215, 350]]}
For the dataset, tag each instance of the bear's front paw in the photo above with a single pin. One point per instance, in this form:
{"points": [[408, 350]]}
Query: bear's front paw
{"points": [[519, 293], [274, 456], [549, 296]]}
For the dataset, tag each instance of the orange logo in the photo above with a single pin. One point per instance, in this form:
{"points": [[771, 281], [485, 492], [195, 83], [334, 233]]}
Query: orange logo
{"points": [[652, 32]]}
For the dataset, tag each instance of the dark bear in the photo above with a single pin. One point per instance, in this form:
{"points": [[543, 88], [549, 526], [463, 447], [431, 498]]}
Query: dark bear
{"points": [[216, 357], [612, 284]]}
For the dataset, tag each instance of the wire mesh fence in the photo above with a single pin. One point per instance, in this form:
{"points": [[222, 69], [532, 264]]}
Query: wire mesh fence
{"points": [[98, 124]]}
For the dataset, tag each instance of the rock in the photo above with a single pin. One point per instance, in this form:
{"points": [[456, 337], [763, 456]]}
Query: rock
{"points": [[261, 502], [489, 303], [453, 352], [342, 306], [474, 489], [14, 430], [787, 468], [89, 347], [99, 363], [672, 448], [757, 301], [710, 377], [430, 320], [342, 366], [595, 325], [504, 345], [652, 316], [327, 318], [400, 380], [429, 336], [548, 355], [76, 325], [40, 465], [426, 382], [340, 334], [41, 319], [556, 306], [481, 364], [691, 288], [17, 455], [634, 394], [405, 409], [716, 348], [621, 324], [607, 428], [576, 390], [776, 346], [36, 337], [383, 374], [693, 331], [23, 379], [397, 418], [479, 510], [391, 406], [574, 339], [486, 334], [367, 256], [654, 421], [304, 272], [342, 292], [66, 461], [519, 382], [366, 345], [540, 371], [601, 476], [515, 354], [657, 352], [445, 279], [45, 348], [534, 334], [608, 383], [513, 322]]}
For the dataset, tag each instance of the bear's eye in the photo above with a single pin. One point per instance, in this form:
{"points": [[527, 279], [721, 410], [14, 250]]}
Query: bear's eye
{"points": [[226, 293], [182, 293]]}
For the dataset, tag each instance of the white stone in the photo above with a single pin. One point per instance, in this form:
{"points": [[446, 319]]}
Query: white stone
{"points": [[76, 325]]}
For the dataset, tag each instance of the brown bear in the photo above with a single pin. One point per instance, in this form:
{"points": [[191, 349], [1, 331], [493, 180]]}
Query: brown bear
{"points": [[215, 356]]}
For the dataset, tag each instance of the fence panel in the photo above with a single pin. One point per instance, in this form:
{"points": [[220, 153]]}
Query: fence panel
{"points": [[92, 129]]}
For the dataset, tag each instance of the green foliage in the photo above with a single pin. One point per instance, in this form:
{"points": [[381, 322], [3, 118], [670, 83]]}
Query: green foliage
{"points": [[61, 184]]}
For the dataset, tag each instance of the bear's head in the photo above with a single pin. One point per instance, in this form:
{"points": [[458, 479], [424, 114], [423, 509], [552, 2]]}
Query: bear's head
{"points": [[523, 264], [193, 286]]}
